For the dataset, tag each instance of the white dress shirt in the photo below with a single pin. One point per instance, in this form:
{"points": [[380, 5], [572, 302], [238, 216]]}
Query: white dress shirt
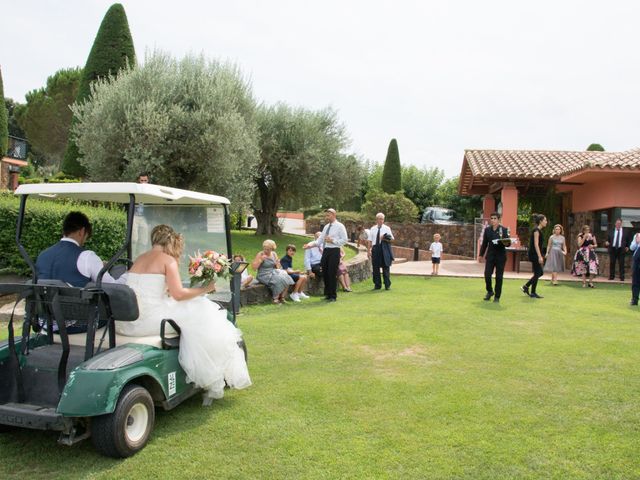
{"points": [[617, 238], [373, 233], [312, 256], [336, 231], [89, 265]]}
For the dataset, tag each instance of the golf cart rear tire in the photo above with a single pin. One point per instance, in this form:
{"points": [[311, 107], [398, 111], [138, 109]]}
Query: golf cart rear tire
{"points": [[115, 435]]}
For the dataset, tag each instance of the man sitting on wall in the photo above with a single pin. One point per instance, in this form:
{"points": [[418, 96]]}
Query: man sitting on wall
{"points": [[312, 258]]}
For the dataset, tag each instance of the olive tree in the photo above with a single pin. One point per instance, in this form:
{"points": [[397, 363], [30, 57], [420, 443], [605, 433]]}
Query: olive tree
{"points": [[301, 162], [189, 122]]}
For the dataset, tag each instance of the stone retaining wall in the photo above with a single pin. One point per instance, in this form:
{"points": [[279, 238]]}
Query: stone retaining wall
{"points": [[456, 239], [423, 255], [359, 268]]}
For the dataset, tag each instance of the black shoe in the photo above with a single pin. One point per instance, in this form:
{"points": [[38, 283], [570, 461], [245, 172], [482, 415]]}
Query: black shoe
{"points": [[525, 290], [622, 279], [376, 288], [329, 300], [611, 278], [535, 295], [488, 296], [387, 288], [496, 300], [633, 303]]}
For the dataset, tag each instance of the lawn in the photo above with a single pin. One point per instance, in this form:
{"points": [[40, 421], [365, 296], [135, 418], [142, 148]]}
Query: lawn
{"points": [[423, 381]]}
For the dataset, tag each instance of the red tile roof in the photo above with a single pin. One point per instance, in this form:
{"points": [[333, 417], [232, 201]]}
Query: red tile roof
{"points": [[482, 167]]}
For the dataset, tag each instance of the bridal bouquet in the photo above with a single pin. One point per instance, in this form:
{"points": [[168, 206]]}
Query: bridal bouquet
{"points": [[208, 267]]}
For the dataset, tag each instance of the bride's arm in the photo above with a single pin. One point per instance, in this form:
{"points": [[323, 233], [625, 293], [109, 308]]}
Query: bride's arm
{"points": [[174, 284]]}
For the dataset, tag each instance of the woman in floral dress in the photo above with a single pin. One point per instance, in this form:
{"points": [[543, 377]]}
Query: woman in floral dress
{"points": [[585, 263]]}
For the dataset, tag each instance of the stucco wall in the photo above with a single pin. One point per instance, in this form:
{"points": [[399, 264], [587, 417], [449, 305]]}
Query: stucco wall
{"points": [[607, 193]]}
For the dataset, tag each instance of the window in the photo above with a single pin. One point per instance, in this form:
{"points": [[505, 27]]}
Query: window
{"points": [[630, 217]]}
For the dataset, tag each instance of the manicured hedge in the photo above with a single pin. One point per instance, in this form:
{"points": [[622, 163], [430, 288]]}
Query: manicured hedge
{"points": [[43, 227]]}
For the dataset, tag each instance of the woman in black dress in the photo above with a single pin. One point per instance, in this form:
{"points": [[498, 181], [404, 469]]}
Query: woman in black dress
{"points": [[536, 255]]}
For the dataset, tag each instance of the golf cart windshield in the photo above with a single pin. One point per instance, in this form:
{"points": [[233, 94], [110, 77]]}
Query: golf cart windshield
{"points": [[203, 228]]}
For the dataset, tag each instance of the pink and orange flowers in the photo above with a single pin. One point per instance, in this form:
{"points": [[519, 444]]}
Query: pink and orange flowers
{"points": [[207, 267]]}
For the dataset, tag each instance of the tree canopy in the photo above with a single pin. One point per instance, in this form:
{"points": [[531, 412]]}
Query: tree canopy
{"points": [[112, 50], [392, 173], [4, 122], [46, 117], [301, 160], [595, 147], [189, 122]]}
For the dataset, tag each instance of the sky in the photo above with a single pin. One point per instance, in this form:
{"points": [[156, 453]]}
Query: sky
{"points": [[440, 77]]}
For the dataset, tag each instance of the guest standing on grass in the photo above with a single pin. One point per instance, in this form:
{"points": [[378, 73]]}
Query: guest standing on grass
{"points": [[343, 274], [635, 269], [618, 245], [585, 263], [333, 236], [380, 237], [536, 255], [556, 252], [495, 240], [436, 253]]}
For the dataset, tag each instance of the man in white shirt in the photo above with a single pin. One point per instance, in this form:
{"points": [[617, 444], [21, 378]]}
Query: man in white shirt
{"points": [[68, 261], [332, 237], [380, 253], [312, 259]]}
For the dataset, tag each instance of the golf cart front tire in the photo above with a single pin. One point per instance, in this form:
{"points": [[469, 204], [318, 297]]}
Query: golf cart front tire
{"points": [[125, 431]]}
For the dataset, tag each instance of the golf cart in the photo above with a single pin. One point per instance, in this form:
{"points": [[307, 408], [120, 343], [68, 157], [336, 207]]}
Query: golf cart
{"points": [[100, 384]]}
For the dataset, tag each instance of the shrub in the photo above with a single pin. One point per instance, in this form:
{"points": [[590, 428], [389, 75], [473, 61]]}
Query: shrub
{"points": [[112, 50], [396, 207], [43, 225], [392, 172]]}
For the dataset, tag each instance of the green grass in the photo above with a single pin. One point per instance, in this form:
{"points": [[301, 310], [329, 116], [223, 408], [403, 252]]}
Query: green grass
{"points": [[423, 381]]}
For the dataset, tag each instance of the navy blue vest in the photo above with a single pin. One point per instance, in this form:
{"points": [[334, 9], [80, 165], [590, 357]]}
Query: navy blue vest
{"points": [[60, 262]]}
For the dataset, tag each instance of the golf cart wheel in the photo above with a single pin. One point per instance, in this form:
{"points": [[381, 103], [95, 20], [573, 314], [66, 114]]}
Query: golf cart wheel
{"points": [[125, 431]]}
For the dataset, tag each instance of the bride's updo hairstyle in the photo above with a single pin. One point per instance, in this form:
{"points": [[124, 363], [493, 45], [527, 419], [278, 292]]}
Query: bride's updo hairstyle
{"points": [[172, 242]]}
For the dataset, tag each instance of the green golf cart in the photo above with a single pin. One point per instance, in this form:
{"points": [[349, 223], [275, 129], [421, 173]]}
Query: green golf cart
{"points": [[100, 384]]}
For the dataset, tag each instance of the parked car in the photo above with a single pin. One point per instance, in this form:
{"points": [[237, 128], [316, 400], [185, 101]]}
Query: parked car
{"points": [[101, 384], [439, 216]]}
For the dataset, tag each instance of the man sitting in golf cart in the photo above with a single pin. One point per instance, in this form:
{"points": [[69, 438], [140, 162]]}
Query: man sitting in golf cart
{"points": [[68, 261]]}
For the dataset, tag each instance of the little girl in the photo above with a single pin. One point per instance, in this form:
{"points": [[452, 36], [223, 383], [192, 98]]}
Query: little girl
{"points": [[436, 252]]}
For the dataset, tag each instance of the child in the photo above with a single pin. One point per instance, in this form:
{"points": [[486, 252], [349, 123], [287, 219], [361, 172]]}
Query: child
{"points": [[436, 252], [297, 276], [343, 274], [246, 279]]}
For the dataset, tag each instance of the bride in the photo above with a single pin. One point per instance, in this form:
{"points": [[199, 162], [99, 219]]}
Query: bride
{"points": [[209, 351]]}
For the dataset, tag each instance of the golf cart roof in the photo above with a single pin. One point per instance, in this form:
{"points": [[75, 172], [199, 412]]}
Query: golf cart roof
{"points": [[119, 192]]}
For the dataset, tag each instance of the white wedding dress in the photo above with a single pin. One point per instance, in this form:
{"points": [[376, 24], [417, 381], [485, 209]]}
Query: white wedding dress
{"points": [[209, 351]]}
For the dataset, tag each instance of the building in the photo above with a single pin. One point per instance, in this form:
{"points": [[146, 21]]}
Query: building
{"points": [[596, 188], [10, 165]]}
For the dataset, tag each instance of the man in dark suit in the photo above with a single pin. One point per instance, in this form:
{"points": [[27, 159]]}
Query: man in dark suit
{"points": [[495, 239], [380, 237], [635, 269], [618, 245]]}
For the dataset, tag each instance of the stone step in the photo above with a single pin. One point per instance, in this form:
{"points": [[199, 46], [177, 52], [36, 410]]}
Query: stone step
{"points": [[400, 260]]}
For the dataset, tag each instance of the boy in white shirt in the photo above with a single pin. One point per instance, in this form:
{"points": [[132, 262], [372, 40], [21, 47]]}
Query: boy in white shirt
{"points": [[436, 253]]}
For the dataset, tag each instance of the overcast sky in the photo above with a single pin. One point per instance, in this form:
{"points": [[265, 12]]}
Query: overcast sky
{"points": [[440, 77]]}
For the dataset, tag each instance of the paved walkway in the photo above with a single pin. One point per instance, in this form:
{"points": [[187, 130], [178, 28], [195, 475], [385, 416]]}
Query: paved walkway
{"points": [[474, 269]]}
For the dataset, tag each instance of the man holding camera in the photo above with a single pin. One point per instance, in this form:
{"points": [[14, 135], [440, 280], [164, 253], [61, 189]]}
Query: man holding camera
{"points": [[380, 253]]}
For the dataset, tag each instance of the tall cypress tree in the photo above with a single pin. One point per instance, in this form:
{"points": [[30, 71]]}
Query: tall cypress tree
{"points": [[392, 172], [112, 50], [4, 122]]}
